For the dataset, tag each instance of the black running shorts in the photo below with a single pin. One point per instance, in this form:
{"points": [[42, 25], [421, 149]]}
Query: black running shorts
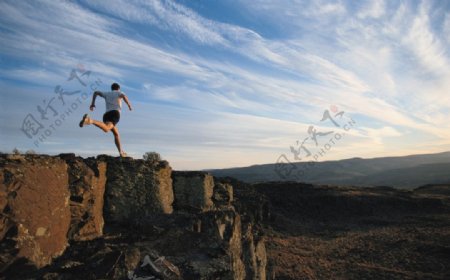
{"points": [[111, 116]]}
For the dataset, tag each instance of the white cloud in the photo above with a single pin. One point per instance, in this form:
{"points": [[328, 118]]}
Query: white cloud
{"points": [[426, 45], [32, 75], [166, 15], [98, 43], [379, 134], [374, 9], [330, 8], [446, 28]]}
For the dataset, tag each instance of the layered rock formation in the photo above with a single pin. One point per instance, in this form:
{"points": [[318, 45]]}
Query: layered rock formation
{"points": [[123, 219]]}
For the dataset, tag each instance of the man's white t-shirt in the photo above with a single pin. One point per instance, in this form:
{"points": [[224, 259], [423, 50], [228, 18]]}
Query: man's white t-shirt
{"points": [[112, 100]]}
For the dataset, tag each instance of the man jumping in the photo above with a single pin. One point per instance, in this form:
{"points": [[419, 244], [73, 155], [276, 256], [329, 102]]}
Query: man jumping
{"points": [[113, 101]]}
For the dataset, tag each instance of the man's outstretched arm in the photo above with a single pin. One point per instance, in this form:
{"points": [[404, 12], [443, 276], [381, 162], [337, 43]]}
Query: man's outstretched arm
{"points": [[94, 96], [125, 98]]}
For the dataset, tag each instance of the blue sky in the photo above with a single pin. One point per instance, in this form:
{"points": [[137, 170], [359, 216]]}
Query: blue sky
{"points": [[228, 83]]}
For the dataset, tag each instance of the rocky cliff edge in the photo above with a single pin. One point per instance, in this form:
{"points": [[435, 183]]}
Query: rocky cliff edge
{"points": [[66, 217]]}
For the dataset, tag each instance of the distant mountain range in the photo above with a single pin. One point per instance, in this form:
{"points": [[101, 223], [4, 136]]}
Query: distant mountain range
{"points": [[400, 172]]}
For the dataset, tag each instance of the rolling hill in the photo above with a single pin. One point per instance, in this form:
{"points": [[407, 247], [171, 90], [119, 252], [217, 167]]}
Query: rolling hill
{"points": [[401, 172]]}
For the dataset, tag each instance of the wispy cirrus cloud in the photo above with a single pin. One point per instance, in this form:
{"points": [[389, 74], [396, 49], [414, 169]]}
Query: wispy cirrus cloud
{"points": [[165, 15], [373, 9], [426, 46]]}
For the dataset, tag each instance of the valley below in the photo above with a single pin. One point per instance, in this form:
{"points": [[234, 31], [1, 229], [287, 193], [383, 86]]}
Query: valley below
{"points": [[324, 232]]}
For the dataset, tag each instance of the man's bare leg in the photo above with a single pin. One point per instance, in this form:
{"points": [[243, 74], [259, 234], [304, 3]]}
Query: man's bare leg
{"points": [[109, 126], [115, 132], [103, 126]]}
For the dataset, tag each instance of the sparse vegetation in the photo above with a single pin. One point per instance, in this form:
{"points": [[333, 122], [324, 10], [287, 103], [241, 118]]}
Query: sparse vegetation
{"points": [[16, 151], [152, 157]]}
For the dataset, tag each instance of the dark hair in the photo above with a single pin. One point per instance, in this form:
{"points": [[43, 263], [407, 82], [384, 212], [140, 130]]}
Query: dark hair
{"points": [[115, 86]]}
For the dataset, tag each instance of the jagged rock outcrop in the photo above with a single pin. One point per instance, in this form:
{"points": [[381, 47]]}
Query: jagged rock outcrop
{"points": [[34, 204], [193, 190], [254, 253], [136, 188], [221, 228], [87, 179], [48, 202], [222, 194]]}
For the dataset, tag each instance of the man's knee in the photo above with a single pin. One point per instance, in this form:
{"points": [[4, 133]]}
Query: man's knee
{"points": [[115, 133], [109, 126]]}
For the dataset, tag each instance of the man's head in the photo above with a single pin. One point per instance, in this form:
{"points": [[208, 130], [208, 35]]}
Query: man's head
{"points": [[115, 86]]}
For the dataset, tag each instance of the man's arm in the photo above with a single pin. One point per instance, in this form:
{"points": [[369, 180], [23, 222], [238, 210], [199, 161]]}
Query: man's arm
{"points": [[94, 96], [125, 98]]}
